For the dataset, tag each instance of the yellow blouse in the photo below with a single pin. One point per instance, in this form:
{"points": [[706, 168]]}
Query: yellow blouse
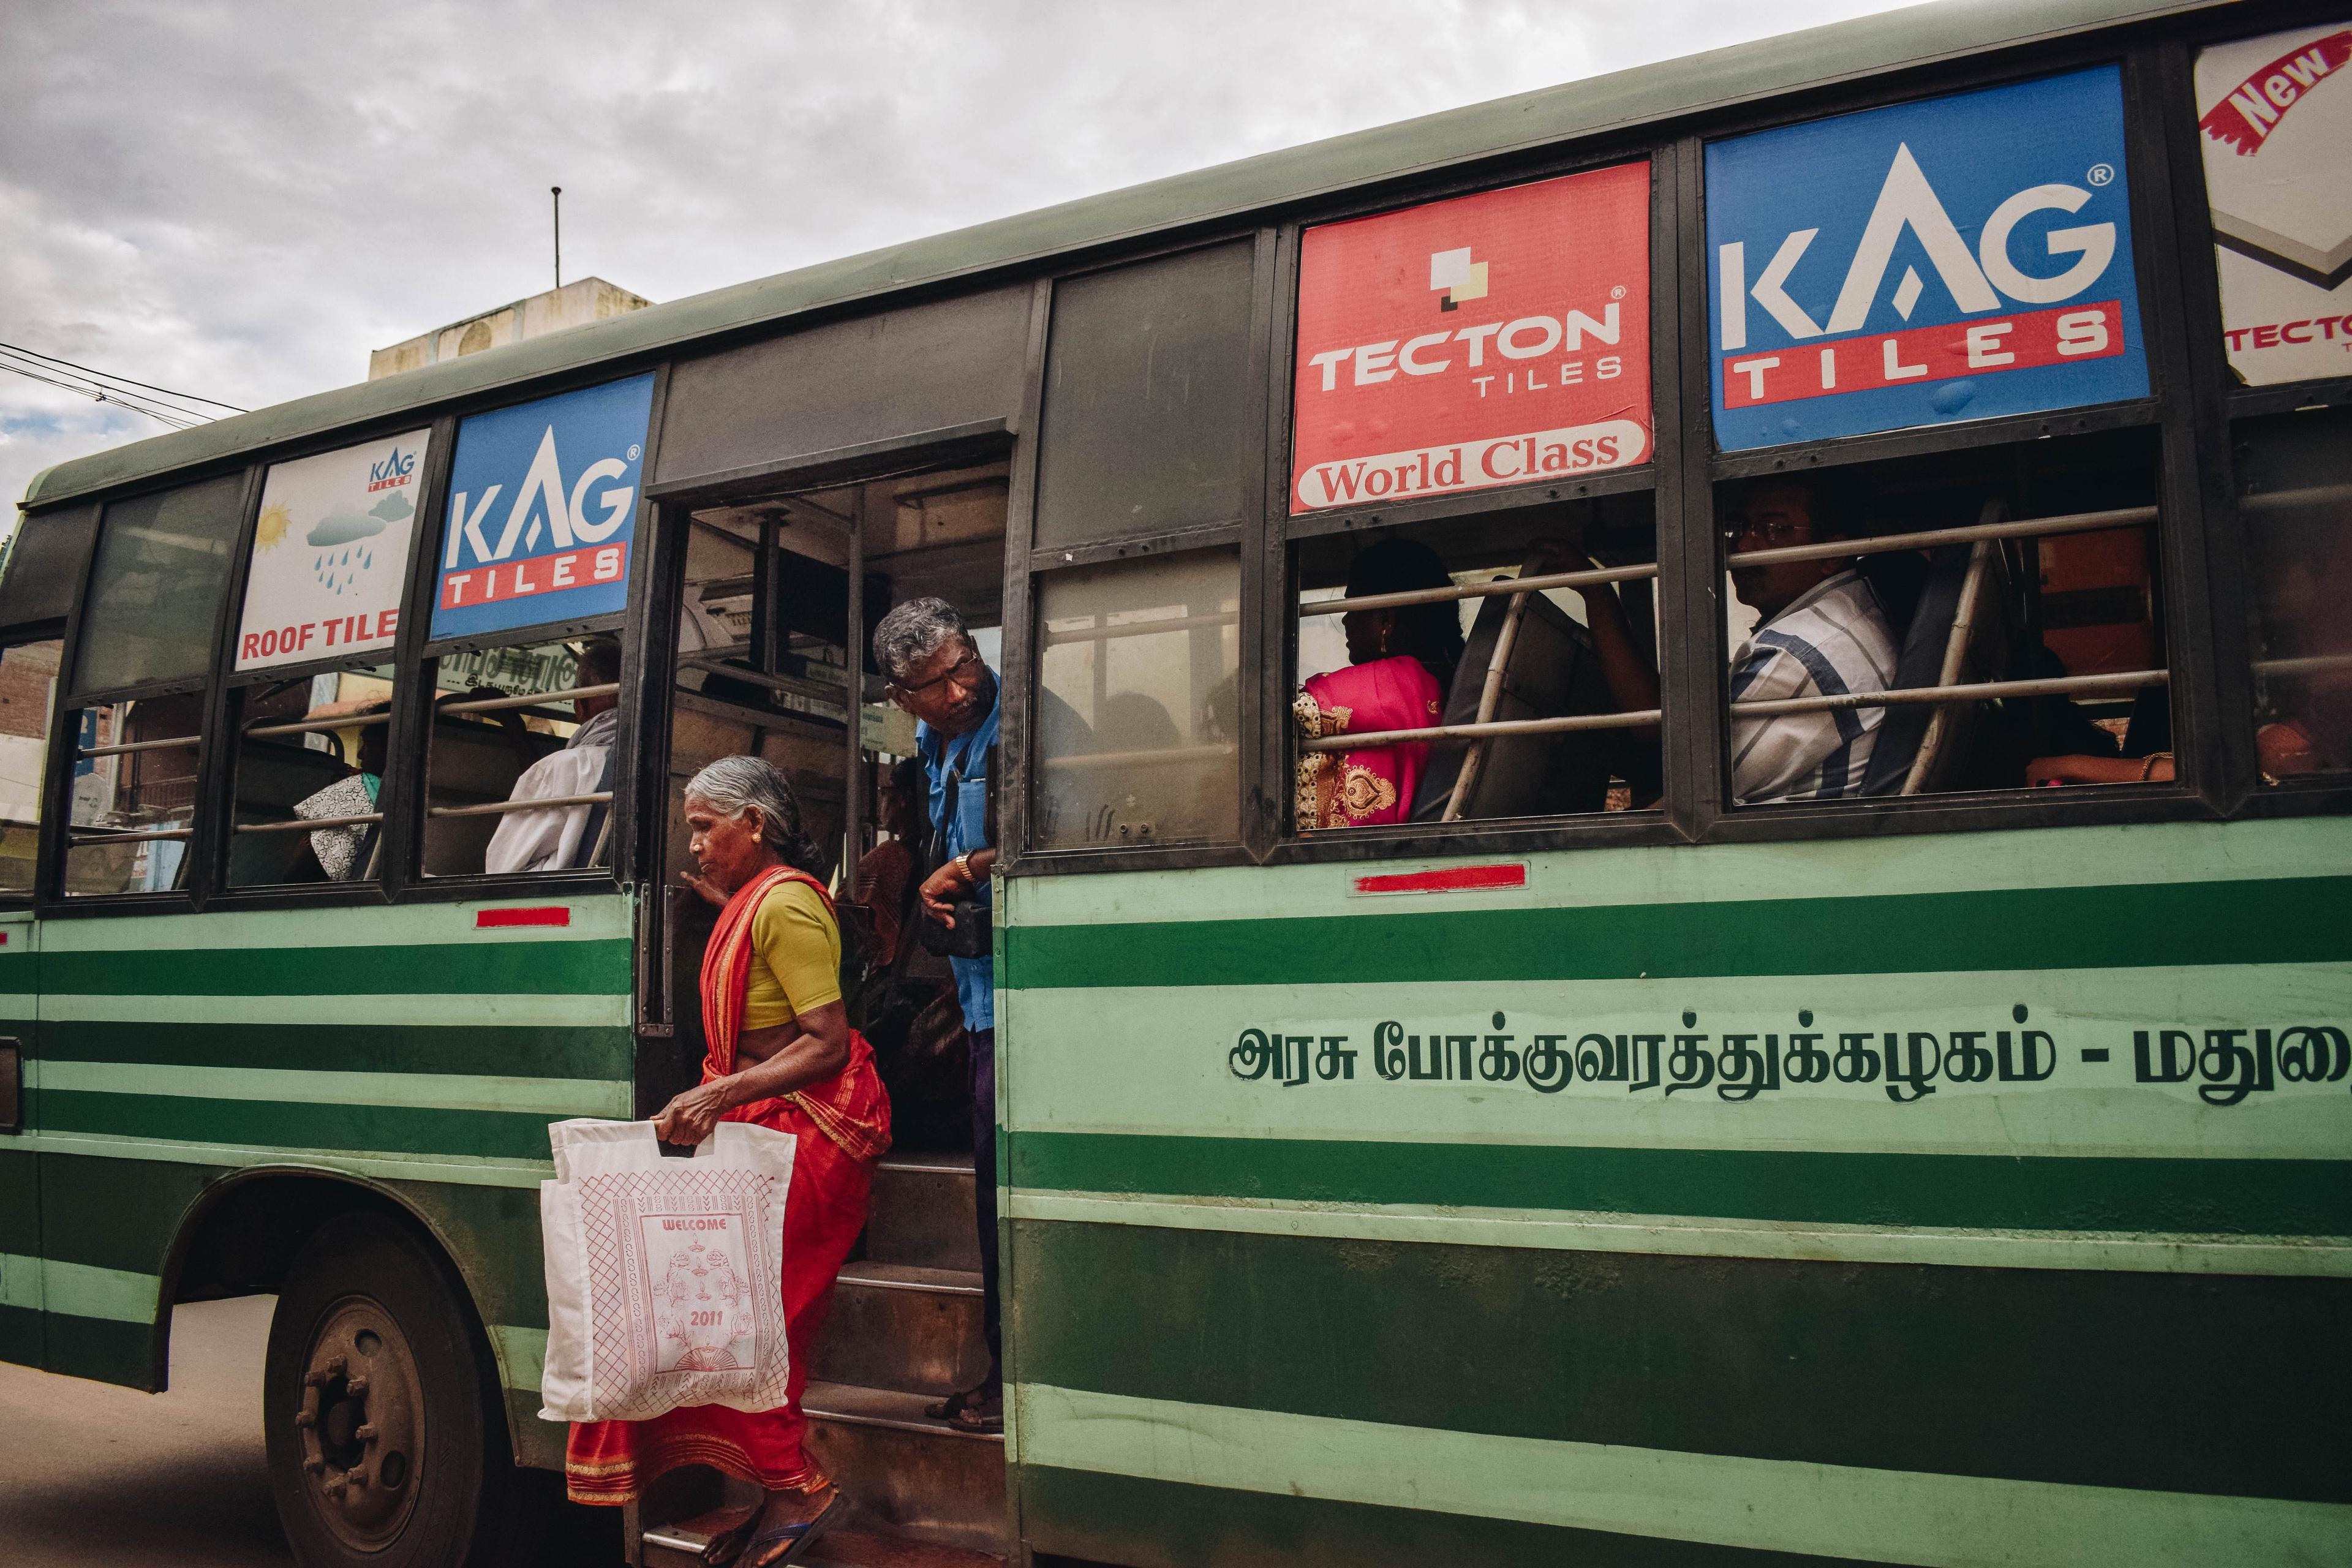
{"points": [[796, 957]]}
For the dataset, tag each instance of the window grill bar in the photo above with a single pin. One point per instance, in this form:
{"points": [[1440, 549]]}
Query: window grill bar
{"points": [[127, 747], [321, 726], [495, 704], [1140, 628], [1563, 724], [1487, 589], [2028, 528], [499, 807], [1983, 691], [87, 836], [306, 824]]}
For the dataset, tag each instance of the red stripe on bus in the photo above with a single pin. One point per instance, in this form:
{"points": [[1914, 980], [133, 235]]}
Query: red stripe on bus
{"points": [[1459, 880], [547, 915]]}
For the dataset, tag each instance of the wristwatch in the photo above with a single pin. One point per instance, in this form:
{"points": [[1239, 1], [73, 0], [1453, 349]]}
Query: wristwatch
{"points": [[963, 869]]}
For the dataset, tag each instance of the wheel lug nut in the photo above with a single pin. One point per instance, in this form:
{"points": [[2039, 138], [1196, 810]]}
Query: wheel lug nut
{"points": [[359, 1387], [314, 1467], [358, 1478], [305, 1420], [365, 1433]]}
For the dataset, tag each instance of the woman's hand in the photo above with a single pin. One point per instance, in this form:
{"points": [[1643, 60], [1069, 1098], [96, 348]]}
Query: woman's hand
{"points": [[690, 1118], [710, 892]]}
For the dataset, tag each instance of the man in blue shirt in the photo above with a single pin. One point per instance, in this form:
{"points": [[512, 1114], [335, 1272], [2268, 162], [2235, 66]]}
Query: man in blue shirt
{"points": [[934, 673]]}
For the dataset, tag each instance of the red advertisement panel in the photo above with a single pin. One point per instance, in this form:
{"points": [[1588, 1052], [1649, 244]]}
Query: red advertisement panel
{"points": [[1497, 339]]}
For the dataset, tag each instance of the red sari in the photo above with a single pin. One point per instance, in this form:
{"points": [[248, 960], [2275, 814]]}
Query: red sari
{"points": [[1360, 789], [843, 1126]]}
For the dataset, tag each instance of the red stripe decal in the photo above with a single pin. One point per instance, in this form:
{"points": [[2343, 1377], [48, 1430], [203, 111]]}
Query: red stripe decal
{"points": [[545, 915], [1457, 880]]}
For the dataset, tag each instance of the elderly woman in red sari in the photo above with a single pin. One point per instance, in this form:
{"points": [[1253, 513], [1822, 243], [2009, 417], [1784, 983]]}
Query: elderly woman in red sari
{"points": [[780, 1054], [1401, 663]]}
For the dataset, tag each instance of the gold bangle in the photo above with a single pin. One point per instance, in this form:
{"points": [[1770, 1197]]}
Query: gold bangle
{"points": [[2149, 766]]}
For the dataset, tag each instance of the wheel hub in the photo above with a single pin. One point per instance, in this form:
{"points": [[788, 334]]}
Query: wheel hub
{"points": [[362, 1423]]}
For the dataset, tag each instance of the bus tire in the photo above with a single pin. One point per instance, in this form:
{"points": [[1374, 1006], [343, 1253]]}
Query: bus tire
{"points": [[383, 1421]]}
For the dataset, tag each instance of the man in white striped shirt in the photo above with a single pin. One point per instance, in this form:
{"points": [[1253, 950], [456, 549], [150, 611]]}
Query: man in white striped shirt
{"points": [[1820, 632]]}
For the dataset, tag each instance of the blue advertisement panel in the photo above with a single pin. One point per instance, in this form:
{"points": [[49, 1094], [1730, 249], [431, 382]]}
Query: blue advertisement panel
{"points": [[543, 511], [1958, 258]]}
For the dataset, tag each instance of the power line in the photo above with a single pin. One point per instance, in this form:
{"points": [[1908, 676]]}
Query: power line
{"points": [[118, 399], [144, 386], [104, 392]]}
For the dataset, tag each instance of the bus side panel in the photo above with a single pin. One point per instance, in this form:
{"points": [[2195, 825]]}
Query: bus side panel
{"points": [[1348, 1225], [20, 1179], [411, 1049]]}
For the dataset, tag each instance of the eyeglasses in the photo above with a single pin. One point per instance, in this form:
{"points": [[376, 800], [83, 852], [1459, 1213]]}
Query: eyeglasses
{"points": [[1773, 529], [958, 672]]}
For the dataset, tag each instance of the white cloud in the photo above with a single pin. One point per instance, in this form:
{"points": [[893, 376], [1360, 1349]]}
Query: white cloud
{"points": [[242, 200]]}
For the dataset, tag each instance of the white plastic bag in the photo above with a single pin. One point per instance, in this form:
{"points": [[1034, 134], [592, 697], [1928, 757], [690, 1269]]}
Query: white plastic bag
{"points": [[664, 1284]]}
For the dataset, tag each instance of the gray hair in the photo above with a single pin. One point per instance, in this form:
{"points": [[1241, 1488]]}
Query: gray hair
{"points": [[913, 632], [733, 785]]}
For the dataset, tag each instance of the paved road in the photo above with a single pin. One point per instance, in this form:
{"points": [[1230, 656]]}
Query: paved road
{"points": [[96, 1476], [92, 1475]]}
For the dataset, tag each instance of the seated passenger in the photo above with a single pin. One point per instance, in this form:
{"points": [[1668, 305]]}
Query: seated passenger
{"points": [[1820, 632], [1401, 665], [885, 871], [550, 840], [344, 852]]}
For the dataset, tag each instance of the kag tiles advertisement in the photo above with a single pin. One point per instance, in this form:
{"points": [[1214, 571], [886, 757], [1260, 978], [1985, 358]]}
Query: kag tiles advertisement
{"points": [[2276, 117], [1962, 257], [543, 511], [1496, 339], [330, 552]]}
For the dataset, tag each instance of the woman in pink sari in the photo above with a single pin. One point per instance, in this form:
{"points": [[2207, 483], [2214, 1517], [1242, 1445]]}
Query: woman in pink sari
{"points": [[1401, 663]]}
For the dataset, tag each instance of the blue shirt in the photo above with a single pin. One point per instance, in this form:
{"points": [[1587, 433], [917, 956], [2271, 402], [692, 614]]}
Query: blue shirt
{"points": [[967, 829]]}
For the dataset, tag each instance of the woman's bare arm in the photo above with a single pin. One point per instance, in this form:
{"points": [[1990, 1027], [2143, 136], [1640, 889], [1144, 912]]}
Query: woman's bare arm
{"points": [[810, 1049]]}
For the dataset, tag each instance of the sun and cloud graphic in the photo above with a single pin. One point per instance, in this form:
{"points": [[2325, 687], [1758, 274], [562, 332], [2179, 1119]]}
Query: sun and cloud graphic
{"points": [[339, 539]]}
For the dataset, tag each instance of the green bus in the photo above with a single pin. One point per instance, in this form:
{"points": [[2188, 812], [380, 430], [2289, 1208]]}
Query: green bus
{"points": [[1673, 878]]}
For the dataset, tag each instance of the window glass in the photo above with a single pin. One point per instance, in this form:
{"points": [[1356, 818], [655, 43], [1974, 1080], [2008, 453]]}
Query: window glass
{"points": [[28, 685], [1579, 658], [1834, 596], [1139, 703], [520, 761], [155, 591], [46, 559], [1145, 398], [311, 751], [134, 795], [2295, 513]]}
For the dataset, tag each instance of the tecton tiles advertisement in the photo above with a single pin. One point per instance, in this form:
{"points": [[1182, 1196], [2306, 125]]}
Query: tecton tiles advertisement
{"points": [[2277, 113], [1497, 339], [1957, 258], [543, 511], [329, 554]]}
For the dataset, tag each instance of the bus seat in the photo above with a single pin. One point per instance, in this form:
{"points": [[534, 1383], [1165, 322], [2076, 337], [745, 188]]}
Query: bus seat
{"points": [[473, 764], [1551, 670], [271, 777], [1960, 632]]}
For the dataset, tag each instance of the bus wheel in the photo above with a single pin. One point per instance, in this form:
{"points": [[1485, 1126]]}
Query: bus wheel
{"points": [[383, 1422]]}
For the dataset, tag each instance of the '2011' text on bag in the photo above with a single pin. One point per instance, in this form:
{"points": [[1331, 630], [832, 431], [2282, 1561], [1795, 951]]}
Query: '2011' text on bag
{"points": [[663, 1274]]}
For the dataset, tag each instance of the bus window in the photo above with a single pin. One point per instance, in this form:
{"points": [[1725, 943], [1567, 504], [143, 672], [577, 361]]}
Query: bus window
{"points": [[134, 795], [28, 687], [1139, 718], [2010, 594], [1424, 634], [520, 759], [310, 774], [2295, 514], [155, 590]]}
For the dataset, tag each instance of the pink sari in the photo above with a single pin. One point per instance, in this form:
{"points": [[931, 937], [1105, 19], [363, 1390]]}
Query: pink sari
{"points": [[1362, 789]]}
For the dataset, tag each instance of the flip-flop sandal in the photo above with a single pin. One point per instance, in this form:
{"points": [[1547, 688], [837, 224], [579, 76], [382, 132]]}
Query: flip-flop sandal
{"points": [[801, 1536], [727, 1546], [963, 1410]]}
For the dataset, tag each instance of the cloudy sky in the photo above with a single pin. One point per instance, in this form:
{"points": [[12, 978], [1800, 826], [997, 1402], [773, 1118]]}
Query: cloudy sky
{"points": [[240, 200]]}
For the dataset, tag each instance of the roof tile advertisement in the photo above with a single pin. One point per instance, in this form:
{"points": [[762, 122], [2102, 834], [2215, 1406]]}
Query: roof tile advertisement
{"points": [[2276, 117], [543, 511], [330, 552], [1489, 340], [1961, 257]]}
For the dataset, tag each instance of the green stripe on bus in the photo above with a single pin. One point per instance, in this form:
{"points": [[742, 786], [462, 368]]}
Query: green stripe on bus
{"points": [[531, 967], [115, 1214], [20, 1198], [2303, 920], [20, 1335], [1096, 1517], [2038, 1375], [276, 1124], [2237, 1197], [104, 1350], [20, 970], [431, 1091], [596, 917], [335, 1044], [1849, 1512]]}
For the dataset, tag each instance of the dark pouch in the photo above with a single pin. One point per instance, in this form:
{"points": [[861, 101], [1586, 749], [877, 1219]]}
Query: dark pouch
{"points": [[971, 936]]}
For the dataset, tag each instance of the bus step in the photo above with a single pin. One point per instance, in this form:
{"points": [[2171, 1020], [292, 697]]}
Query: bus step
{"points": [[900, 1325], [921, 1214], [909, 1475], [680, 1546]]}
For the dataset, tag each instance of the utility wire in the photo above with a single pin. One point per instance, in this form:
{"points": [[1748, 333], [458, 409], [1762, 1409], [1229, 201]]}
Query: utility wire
{"points": [[125, 380], [95, 385], [104, 393], [176, 422]]}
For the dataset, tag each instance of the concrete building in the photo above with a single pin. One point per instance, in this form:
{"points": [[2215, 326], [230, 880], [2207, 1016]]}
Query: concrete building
{"points": [[574, 305]]}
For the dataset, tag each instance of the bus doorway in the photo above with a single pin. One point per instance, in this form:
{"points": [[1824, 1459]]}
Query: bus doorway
{"points": [[777, 595]]}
